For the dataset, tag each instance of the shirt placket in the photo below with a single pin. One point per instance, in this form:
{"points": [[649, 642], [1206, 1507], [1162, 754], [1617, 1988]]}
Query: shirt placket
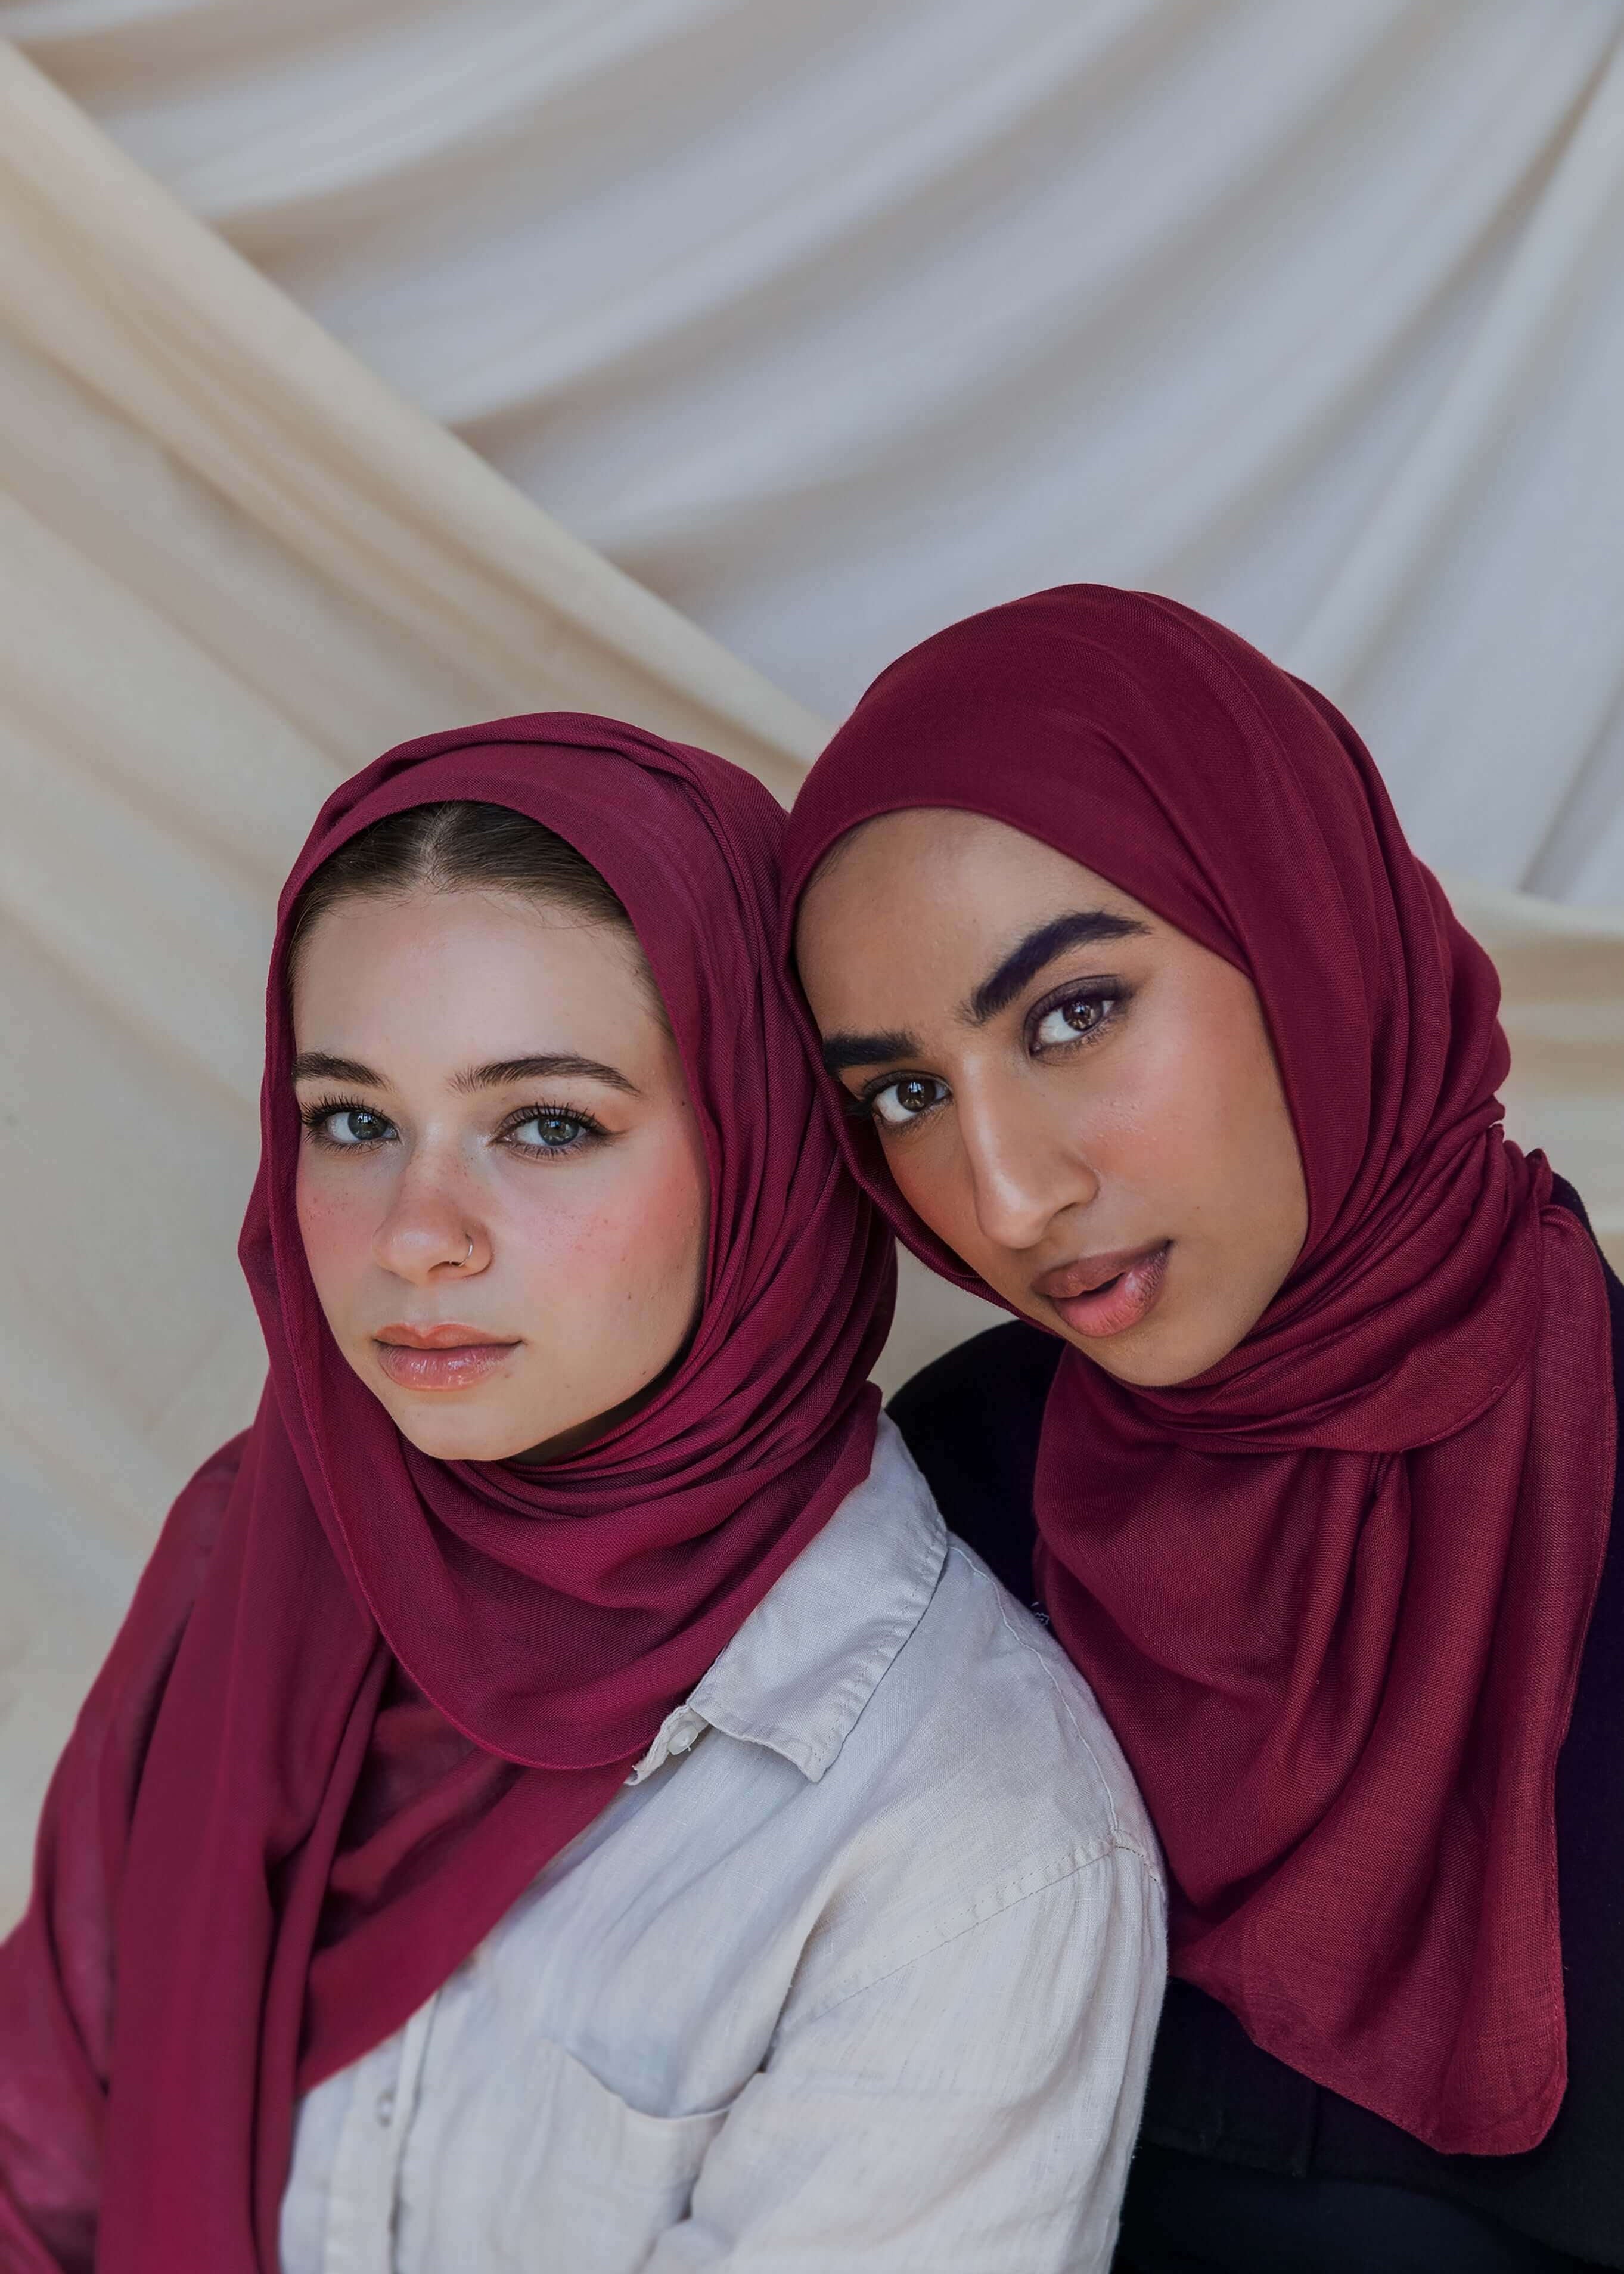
{"points": [[365, 2192]]}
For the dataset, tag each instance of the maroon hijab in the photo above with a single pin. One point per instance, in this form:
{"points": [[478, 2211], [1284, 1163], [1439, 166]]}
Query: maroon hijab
{"points": [[362, 1696], [1332, 1594]]}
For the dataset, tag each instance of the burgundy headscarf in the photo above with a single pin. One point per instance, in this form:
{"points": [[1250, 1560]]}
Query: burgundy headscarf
{"points": [[363, 1695], [1332, 1594]]}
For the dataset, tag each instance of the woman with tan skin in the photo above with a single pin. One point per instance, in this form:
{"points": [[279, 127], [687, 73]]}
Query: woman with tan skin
{"points": [[1146, 1022], [559, 1800]]}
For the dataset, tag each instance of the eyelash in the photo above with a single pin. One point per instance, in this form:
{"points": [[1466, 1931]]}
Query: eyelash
{"points": [[316, 1117], [1107, 997]]}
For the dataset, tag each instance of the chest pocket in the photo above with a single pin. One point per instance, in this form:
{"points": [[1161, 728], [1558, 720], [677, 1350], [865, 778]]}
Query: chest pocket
{"points": [[543, 2169]]}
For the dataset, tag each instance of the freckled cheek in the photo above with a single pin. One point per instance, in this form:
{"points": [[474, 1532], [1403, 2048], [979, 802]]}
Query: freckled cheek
{"points": [[338, 1222], [636, 1245]]}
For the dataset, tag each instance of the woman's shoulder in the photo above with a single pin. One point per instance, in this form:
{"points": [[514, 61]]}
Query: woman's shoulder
{"points": [[979, 1800], [137, 1666], [972, 1419], [985, 1739], [1564, 1197]]}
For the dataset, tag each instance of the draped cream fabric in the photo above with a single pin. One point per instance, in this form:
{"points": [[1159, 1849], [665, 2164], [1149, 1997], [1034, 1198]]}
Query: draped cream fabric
{"points": [[233, 565], [831, 321], [232, 569]]}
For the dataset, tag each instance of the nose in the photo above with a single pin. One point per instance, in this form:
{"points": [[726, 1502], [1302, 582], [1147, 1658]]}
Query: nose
{"points": [[1024, 1170], [430, 1235]]}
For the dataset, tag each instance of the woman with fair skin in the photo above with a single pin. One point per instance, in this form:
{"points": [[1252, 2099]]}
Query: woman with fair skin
{"points": [[1146, 1022], [557, 1800]]}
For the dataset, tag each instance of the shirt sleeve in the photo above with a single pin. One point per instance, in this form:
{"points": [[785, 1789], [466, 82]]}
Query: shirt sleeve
{"points": [[970, 2111]]}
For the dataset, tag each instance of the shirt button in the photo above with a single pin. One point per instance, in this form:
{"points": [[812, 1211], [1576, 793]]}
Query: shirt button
{"points": [[386, 2106]]}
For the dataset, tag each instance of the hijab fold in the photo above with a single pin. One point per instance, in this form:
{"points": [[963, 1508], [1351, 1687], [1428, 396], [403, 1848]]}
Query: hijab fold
{"points": [[364, 1696], [1333, 1593]]}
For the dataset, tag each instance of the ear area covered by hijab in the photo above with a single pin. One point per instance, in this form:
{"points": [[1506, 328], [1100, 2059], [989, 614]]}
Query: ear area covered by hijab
{"points": [[1333, 1593], [364, 1696]]}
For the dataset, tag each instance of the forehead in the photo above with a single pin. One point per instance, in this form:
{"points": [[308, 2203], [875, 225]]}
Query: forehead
{"points": [[926, 850], [452, 970], [934, 893]]}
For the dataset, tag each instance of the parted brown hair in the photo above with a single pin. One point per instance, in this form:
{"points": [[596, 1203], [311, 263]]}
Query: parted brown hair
{"points": [[462, 847], [459, 846]]}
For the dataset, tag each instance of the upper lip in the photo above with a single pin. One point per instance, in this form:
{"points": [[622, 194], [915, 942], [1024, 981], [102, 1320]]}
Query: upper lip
{"points": [[450, 1335], [1091, 1271]]}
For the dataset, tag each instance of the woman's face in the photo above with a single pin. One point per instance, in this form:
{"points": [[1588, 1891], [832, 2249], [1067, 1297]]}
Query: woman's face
{"points": [[501, 1183], [1077, 1099]]}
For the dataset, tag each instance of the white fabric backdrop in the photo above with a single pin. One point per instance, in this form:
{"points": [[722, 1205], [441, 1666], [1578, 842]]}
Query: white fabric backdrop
{"points": [[829, 322], [233, 565]]}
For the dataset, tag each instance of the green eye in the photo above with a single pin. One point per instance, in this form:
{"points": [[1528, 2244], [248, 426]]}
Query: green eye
{"points": [[348, 1128], [553, 1131], [556, 1131], [356, 1128]]}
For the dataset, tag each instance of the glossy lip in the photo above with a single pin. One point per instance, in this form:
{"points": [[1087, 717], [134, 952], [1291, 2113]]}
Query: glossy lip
{"points": [[447, 1356], [1101, 1295]]}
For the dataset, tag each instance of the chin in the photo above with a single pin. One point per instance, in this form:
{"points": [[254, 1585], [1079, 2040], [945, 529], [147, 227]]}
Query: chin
{"points": [[1142, 1370], [467, 1435], [1158, 1361]]}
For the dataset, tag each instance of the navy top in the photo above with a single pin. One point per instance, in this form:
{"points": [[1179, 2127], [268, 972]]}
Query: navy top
{"points": [[972, 1420]]}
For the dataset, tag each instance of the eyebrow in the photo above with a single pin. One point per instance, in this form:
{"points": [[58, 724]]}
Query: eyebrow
{"points": [[1080, 929], [842, 1051], [552, 1065]]}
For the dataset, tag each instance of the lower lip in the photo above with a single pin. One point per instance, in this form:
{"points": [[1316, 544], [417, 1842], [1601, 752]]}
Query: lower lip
{"points": [[459, 1367], [1120, 1304]]}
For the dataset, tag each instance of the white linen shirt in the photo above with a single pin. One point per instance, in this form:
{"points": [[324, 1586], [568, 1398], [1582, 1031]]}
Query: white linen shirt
{"points": [[858, 1973]]}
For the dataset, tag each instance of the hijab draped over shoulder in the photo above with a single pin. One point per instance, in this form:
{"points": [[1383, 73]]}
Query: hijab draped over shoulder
{"points": [[363, 1695], [1333, 1593]]}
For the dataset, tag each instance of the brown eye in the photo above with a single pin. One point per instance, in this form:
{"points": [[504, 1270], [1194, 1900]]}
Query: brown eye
{"points": [[1071, 1019], [903, 1101]]}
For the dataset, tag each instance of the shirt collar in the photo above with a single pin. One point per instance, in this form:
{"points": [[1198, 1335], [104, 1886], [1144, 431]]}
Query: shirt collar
{"points": [[811, 1656]]}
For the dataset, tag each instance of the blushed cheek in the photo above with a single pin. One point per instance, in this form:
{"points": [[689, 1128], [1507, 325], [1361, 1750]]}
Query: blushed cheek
{"points": [[1223, 1144], [659, 1245], [648, 1258], [1175, 1124], [338, 1241], [940, 1192], [611, 1282], [684, 1211]]}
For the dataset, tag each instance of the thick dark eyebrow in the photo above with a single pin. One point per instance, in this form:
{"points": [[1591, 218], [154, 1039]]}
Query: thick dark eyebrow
{"points": [[841, 1051], [555, 1065], [1028, 957]]}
